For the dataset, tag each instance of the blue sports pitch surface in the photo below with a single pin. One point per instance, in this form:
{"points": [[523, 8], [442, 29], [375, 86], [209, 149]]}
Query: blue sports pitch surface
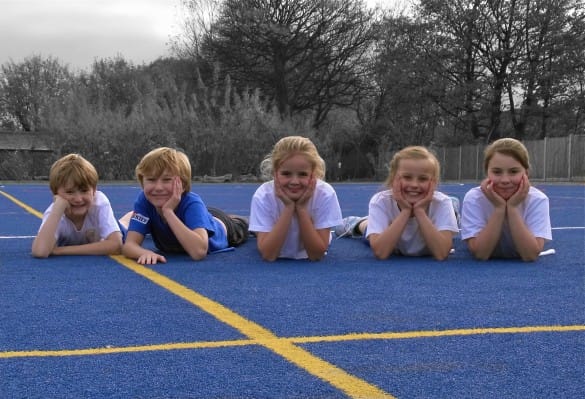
{"points": [[233, 326]]}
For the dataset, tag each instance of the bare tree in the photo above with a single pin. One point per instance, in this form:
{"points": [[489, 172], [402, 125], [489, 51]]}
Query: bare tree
{"points": [[197, 24], [305, 55]]}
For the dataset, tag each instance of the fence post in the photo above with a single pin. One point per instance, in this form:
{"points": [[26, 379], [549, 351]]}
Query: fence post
{"points": [[544, 163], [477, 161], [570, 150], [460, 165]]}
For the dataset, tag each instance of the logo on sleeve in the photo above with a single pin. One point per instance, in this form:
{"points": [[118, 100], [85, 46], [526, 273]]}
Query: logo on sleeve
{"points": [[140, 218]]}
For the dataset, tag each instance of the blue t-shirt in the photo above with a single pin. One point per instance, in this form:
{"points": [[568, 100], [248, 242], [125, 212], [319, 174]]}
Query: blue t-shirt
{"points": [[191, 211]]}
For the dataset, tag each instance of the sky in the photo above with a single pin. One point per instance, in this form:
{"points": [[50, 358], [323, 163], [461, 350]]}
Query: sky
{"points": [[77, 32]]}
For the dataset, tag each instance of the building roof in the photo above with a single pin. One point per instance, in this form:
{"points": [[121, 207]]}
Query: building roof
{"points": [[13, 141]]}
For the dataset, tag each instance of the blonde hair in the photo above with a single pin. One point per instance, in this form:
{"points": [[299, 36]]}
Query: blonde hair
{"points": [[286, 148], [165, 159], [507, 146], [412, 152], [72, 169]]}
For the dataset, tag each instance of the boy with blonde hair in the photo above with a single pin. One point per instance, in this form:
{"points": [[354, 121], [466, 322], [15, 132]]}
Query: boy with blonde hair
{"points": [[80, 221], [176, 218]]}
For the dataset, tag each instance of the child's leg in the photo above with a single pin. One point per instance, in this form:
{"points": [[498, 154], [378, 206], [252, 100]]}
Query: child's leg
{"points": [[124, 221], [236, 226], [456, 208], [352, 226]]}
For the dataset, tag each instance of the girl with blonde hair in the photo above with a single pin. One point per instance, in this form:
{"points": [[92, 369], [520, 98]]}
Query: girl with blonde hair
{"points": [[292, 214], [410, 217]]}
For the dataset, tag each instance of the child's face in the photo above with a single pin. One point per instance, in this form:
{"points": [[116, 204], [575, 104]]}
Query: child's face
{"points": [[505, 173], [415, 177], [80, 199], [293, 175], [158, 189]]}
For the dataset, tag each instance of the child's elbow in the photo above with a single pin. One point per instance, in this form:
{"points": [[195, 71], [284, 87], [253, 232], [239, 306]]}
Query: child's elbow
{"points": [[316, 257], [198, 254], [480, 256], [380, 253], [268, 257], [117, 250], [441, 256], [40, 254], [443, 253], [531, 257]]}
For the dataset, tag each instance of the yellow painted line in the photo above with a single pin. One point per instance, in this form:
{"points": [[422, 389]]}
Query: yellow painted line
{"points": [[296, 340], [22, 205], [126, 349], [435, 333], [351, 385]]}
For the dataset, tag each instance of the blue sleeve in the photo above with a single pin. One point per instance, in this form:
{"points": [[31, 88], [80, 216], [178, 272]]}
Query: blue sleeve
{"points": [[140, 221]]}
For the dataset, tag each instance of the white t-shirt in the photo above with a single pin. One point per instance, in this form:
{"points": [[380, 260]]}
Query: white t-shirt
{"points": [[383, 209], [477, 209], [266, 208], [99, 223]]}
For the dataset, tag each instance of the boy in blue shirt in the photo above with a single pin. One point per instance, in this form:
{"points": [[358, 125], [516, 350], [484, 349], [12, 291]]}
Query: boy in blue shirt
{"points": [[177, 219]]}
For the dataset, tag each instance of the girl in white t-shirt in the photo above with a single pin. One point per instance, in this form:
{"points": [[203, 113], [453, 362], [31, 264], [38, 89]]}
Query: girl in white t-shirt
{"points": [[293, 213], [505, 216], [410, 217]]}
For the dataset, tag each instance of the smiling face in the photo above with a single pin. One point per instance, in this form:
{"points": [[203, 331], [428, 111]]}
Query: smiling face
{"points": [[293, 175], [415, 177], [158, 189], [505, 172], [80, 199]]}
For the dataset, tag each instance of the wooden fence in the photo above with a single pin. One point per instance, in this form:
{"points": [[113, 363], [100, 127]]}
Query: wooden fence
{"points": [[551, 159]]}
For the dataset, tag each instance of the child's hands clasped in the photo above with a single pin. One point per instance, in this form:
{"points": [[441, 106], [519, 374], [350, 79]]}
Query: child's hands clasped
{"points": [[404, 204], [300, 202], [426, 200], [487, 187]]}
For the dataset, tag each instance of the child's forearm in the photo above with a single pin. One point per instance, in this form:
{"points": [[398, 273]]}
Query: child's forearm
{"points": [[527, 246], [195, 243], [94, 248], [482, 246], [383, 244], [313, 241], [438, 242], [270, 243], [133, 250], [45, 241], [110, 246]]}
